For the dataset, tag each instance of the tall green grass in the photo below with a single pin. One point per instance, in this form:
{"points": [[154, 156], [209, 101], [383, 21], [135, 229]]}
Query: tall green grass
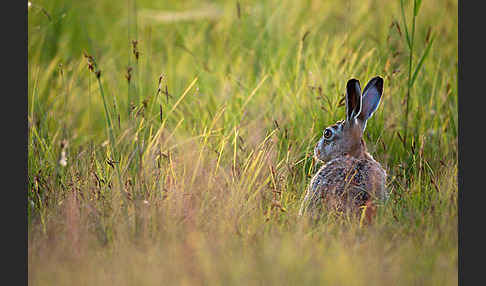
{"points": [[187, 164]]}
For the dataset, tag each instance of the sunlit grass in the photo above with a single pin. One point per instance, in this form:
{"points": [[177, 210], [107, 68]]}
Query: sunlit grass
{"points": [[188, 164]]}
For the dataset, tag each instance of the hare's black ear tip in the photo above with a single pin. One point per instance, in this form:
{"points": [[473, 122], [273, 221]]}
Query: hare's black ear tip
{"points": [[379, 79], [352, 82], [379, 82]]}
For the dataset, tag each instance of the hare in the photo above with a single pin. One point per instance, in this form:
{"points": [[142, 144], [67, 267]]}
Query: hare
{"points": [[350, 179]]}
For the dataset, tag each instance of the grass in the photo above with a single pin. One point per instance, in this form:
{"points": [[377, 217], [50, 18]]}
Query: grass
{"points": [[188, 156]]}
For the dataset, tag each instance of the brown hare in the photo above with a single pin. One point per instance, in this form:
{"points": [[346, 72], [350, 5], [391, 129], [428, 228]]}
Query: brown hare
{"points": [[350, 180]]}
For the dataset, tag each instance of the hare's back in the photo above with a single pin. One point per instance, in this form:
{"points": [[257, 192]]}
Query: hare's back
{"points": [[351, 179]]}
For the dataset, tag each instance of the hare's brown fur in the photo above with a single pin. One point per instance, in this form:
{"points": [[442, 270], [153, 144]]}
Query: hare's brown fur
{"points": [[346, 183]]}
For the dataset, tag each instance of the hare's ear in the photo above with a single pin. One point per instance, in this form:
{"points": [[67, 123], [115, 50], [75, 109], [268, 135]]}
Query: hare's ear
{"points": [[371, 99], [353, 100]]}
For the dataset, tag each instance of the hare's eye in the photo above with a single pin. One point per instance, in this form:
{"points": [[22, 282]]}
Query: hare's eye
{"points": [[328, 133]]}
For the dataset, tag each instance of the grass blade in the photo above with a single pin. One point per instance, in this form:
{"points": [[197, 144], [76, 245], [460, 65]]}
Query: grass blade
{"points": [[416, 7], [421, 61], [405, 25]]}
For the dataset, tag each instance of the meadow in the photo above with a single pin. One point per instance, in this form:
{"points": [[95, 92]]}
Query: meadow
{"points": [[170, 142]]}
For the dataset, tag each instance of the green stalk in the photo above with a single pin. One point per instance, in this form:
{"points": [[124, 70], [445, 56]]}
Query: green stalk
{"points": [[129, 62], [110, 133], [410, 42], [108, 119]]}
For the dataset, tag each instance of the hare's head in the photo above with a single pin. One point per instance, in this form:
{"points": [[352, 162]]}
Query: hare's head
{"points": [[346, 137]]}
